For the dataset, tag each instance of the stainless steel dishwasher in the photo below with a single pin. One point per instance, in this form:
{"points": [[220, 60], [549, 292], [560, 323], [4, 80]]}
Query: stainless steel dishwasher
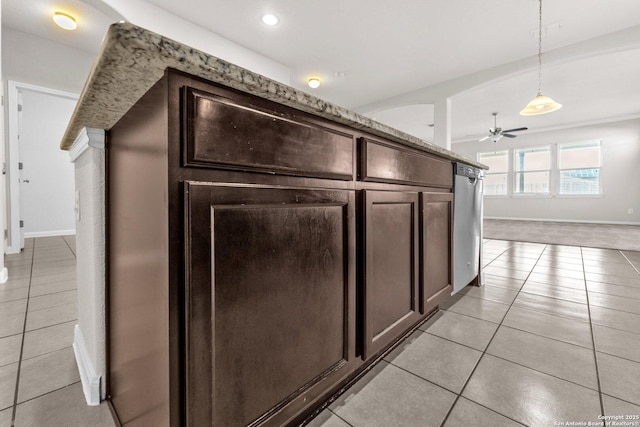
{"points": [[467, 224]]}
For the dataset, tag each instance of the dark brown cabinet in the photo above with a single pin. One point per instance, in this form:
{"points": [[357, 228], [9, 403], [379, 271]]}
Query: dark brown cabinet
{"points": [[436, 247], [246, 136], [260, 258], [385, 162], [391, 303], [271, 297]]}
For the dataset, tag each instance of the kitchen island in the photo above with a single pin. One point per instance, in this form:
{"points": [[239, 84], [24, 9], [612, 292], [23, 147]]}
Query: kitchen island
{"points": [[264, 247]]}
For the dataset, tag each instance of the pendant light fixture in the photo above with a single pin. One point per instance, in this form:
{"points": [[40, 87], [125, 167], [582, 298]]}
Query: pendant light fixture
{"points": [[541, 104]]}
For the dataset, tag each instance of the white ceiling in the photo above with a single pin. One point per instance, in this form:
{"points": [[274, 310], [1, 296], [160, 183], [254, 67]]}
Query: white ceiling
{"points": [[34, 17], [372, 56]]}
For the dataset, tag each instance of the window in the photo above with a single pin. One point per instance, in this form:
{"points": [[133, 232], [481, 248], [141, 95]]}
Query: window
{"points": [[579, 168], [564, 169], [496, 178], [532, 170]]}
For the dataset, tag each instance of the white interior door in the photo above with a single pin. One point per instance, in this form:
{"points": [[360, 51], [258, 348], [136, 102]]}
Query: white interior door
{"points": [[46, 176]]}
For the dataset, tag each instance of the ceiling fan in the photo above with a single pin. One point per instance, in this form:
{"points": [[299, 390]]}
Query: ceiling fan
{"points": [[496, 133]]}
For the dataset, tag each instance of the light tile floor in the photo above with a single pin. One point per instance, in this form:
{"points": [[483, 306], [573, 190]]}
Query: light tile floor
{"points": [[39, 380], [553, 336]]}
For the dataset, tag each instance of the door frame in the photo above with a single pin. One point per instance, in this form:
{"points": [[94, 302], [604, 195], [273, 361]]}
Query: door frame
{"points": [[14, 88]]}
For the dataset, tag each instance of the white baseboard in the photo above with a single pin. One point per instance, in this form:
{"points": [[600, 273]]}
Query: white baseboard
{"points": [[4, 275], [91, 382], [574, 221], [53, 233]]}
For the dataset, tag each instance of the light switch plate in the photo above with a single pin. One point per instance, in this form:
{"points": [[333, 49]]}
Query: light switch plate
{"points": [[77, 206]]}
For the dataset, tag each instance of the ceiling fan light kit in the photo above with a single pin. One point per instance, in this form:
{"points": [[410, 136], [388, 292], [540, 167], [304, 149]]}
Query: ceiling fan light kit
{"points": [[496, 133], [541, 104]]}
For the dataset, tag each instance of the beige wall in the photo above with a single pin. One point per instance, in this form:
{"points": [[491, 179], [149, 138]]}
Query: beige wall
{"points": [[620, 185]]}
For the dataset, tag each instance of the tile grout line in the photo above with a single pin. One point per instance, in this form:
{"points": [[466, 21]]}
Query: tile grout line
{"points": [[459, 395], [69, 246], [24, 327], [528, 293], [617, 329], [495, 258], [51, 392], [574, 319], [519, 330], [46, 353], [50, 326], [420, 377], [593, 340], [544, 336], [629, 261], [614, 295], [446, 389], [342, 419], [490, 354], [620, 399]]}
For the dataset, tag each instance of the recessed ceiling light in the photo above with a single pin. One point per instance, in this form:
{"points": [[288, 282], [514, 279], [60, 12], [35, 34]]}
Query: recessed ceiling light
{"points": [[65, 21], [314, 83], [270, 19]]}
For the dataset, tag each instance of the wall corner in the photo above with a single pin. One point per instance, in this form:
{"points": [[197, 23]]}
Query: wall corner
{"points": [[88, 157]]}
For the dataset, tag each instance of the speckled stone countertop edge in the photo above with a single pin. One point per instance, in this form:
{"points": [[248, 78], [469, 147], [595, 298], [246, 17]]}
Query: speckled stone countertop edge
{"points": [[132, 59]]}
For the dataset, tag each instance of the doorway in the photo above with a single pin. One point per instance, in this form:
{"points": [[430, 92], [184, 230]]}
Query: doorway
{"points": [[41, 194]]}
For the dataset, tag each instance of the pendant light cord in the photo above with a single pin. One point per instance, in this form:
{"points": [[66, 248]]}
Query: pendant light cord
{"points": [[540, 49], [540, 104]]}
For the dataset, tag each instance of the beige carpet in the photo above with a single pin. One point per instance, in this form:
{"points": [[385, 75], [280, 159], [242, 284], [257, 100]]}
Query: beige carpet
{"points": [[623, 237]]}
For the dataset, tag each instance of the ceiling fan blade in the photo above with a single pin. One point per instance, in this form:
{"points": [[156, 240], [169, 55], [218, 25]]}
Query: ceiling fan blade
{"points": [[482, 139], [514, 130], [509, 136]]}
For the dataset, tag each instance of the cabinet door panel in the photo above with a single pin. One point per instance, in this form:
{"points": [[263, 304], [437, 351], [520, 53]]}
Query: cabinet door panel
{"points": [[391, 267], [270, 299], [436, 249]]}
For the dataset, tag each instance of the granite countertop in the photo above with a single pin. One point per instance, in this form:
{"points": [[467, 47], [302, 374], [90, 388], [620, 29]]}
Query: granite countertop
{"points": [[132, 59]]}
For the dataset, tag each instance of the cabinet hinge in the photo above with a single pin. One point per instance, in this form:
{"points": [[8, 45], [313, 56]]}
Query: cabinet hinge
{"points": [[19, 107], [21, 223]]}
